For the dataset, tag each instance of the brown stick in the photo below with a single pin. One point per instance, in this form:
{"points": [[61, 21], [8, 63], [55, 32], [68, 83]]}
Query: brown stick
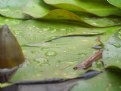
{"points": [[88, 62]]}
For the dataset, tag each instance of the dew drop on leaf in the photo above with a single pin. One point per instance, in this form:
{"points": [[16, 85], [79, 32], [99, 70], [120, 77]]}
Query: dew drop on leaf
{"points": [[51, 53], [45, 29], [40, 60], [109, 85], [53, 31], [63, 29], [38, 75], [117, 61], [120, 87]]}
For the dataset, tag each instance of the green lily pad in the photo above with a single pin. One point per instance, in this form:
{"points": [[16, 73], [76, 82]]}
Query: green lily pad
{"points": [[97, 7], [23, 10], [38, 9], [9, 3], [7, 12], [4, 20], [7, 7], [56, 58], [35, 8], [116, 3], [100, 21], [60, 14], [111, 55], [106, 81]]}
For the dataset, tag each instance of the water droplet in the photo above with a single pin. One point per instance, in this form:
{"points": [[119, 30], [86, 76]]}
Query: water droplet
{"points": [[38, 75], [45, 29], [119, 35], [40, 31], [7, 20], [117, 61], [94, 23], [120, 87], [63, 29], [70, 62], [41, 60], [53, 31], [107, 89], [109, 85], [27, 62], [56, 66], [51, 53]]}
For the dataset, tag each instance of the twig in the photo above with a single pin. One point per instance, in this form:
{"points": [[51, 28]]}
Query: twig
{"points": [[88, 62]]}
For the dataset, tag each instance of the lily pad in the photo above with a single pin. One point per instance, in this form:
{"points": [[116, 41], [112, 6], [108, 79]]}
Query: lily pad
{"points": [[116, 3], [111, 55], [56, 58], [96, 7], [106, 81], [35, 8], [8, 21], [38, 9], [22, 10], [100, 21], [7, 7], [60, 14]]}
